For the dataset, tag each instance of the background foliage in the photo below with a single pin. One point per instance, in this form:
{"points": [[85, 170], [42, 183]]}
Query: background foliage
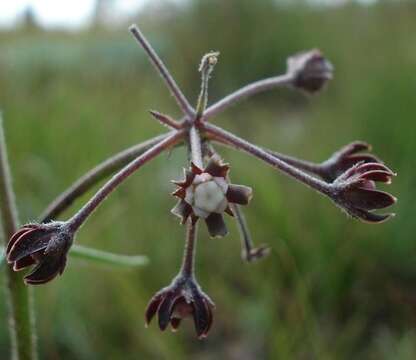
{"points": [[332, 287]]}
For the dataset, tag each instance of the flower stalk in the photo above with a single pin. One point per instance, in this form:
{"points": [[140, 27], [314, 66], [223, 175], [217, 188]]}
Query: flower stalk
{"points": [[19, 297]]}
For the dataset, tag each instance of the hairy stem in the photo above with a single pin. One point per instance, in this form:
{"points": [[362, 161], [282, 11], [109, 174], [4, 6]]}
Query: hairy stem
{"points": [[19, 297], [188, 261], [247, 91], [258, 152], [309, 166], [80, 217], [195, 147], [163, 71], [98, 173]]}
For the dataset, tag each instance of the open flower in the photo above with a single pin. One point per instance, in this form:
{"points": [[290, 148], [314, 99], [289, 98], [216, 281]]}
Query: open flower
{"points": [[206, 193], [181, 299], [345, 158], [310, 69], [355, 191], [43, 245]]}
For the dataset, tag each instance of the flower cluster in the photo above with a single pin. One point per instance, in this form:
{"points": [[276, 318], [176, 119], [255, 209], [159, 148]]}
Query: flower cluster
{"points": [[348, 178]]}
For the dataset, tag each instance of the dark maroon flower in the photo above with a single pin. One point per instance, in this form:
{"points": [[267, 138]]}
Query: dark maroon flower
{"points": [[310, 69], [206, 193], [345, 158], [355, 191], [181, 299], [43, 245]]}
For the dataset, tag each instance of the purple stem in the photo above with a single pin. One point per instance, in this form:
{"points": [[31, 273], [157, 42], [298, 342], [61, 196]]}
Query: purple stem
{"points": [[195, 145], [246, 91], [79, 218], [163, 71], [188, 262], [258, 152]]}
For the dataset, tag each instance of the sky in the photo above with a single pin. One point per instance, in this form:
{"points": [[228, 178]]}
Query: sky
{"points": [[77, 14]]}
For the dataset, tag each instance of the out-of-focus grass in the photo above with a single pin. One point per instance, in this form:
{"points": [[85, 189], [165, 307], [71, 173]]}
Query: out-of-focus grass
{"points": [[332, 287]]}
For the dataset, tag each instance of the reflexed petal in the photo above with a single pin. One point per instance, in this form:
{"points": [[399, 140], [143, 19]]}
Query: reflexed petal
{"points": [[28, 243], [209, 318], [175, 322], [24, 263], [46, 270], [215, 168], [370, 217], [182, 209], [165, 310], [201, 316], [216, 225], [152, 307], [16, 236], [369, 199], [377, 175], [239, 194]]}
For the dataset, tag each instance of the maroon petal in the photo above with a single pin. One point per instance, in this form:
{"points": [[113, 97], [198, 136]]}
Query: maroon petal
{"points": [[175, 322], [195, 169], [216, 225], [201, 316], [370, 217], [363, 168], [180, 193], [239, 194], [355, 147], [45, 271], [165, 310], [28, 243], [369, 199], [182, 209], [152, 307], [229, 211], [24, 263], [189, 178], [377, 175], [215, 168], [16, 236], [210, 319]]}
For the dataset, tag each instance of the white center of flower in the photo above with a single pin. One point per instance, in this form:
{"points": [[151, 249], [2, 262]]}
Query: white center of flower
{"points": [[209, 197]]}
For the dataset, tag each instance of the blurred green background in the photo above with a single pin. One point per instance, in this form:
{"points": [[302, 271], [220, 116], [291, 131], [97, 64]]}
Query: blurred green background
{"points": [[333, 288]]}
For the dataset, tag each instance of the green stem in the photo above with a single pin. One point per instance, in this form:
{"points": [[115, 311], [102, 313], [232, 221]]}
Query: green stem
{"points": [[19, 297]]}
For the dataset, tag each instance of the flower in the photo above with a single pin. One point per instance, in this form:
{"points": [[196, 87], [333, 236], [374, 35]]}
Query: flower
{"points": [[206, 193], [181, 299], [345, 158], [310, 69], [355, 191], [43, 245]]}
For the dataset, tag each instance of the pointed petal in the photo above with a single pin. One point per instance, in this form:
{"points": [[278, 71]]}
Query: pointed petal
{"points": [[152, 307], [377, 175], [372, 218], [165, 310], [210, 319], [216, 225], [373, 166], [215, 168], [16, 236], [182, 209], [229, 211], [195, 169], [239, 194], [201, 316], [180, 193], [369, 199], [30, 242], [174, 323], [24, 263], [188, 179], [45, 271]]}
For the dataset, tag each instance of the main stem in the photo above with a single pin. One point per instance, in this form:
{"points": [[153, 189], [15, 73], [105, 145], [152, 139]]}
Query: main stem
{"points": [[19, 297], [188, 262], [80, 217], [195, 147]]}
